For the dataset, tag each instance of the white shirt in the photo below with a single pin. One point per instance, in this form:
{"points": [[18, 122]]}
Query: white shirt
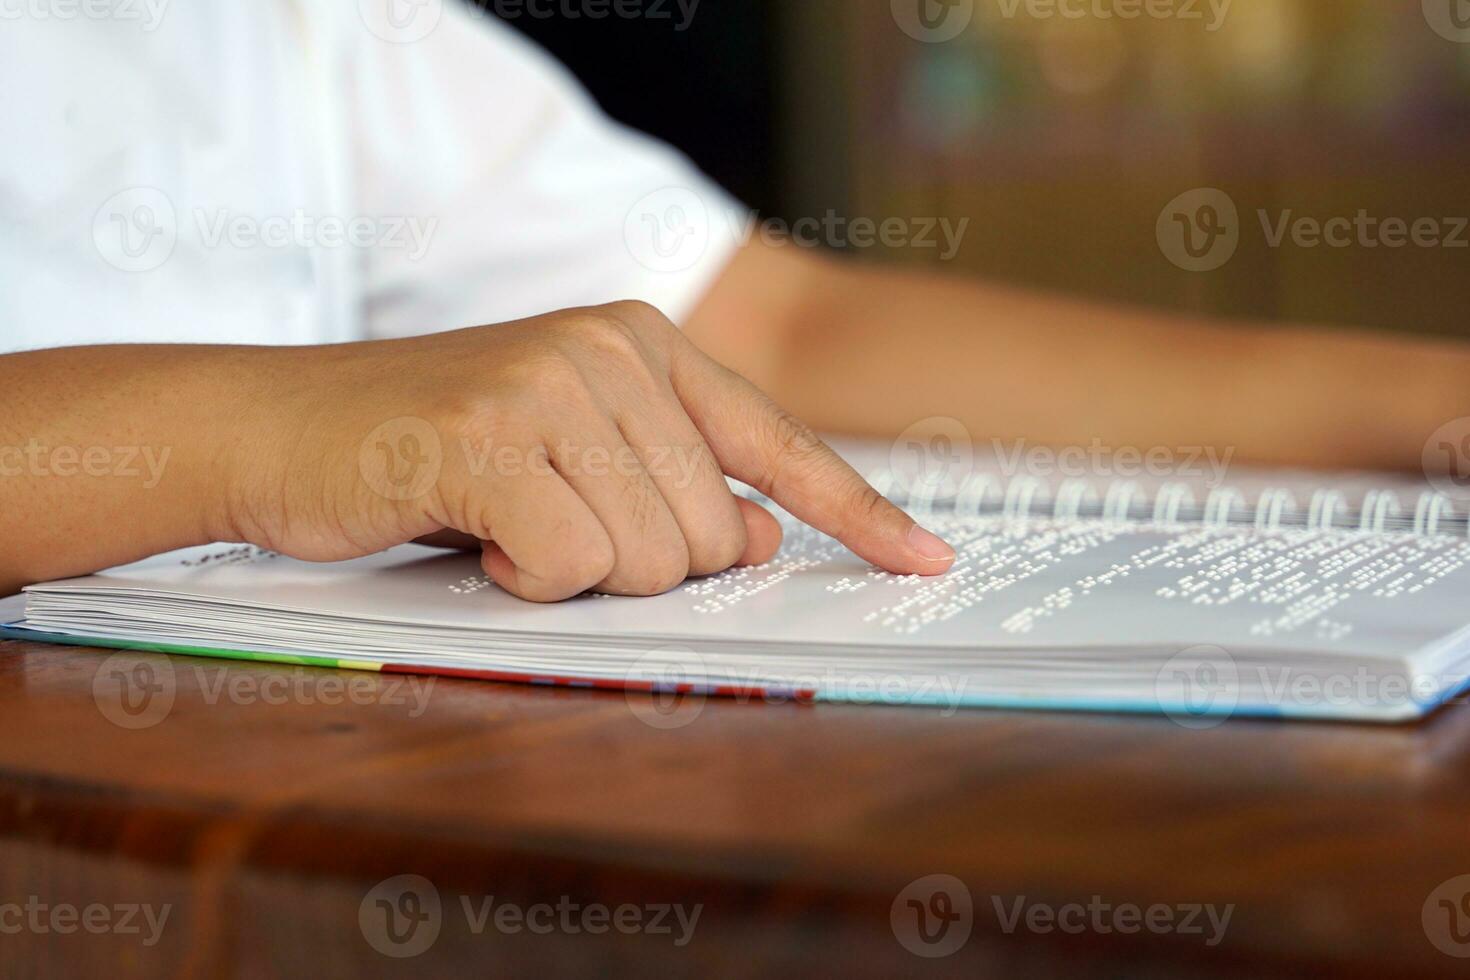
{"points": [[309, 171]]}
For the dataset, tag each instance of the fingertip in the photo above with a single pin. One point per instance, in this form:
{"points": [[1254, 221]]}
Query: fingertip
{"points": [[518, 582], [499, 567], [762, 533], [931, 550]]}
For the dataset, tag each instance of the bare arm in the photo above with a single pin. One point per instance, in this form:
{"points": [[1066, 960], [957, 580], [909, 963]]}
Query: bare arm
{"points": [[110, 454], [581, 450], [864, 350]]}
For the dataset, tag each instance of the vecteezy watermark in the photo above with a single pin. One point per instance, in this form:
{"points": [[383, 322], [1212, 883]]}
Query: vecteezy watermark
{"points": [[667, 687], [1210, 13], [933, 21], [41, 460], [933, 916], [674, 466], [135, 230], [932, 457], [301, 229], [1207, 921], [1207, 464], [670, 230], [1450, 19], [138, 229], [400, 21], [1198, 688], [134, 691], [1203, 687], [42, 918], [148, 14], [403, 458], [1446, 460], [137, 691], [403, 916], [679, 13], [1446, 917], [304, 686], [1200, 230]]}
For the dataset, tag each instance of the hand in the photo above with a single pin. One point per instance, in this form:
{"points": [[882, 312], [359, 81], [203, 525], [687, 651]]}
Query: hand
{"points": [[584, 450]]}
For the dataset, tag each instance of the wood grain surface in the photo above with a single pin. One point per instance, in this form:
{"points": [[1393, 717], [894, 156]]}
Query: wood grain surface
{"points": [[264, 807]]}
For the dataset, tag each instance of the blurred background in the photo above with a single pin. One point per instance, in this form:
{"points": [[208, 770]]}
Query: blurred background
{"points": [[1064, 138]]}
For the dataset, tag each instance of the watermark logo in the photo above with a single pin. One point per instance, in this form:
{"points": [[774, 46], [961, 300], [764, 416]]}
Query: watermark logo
{"points": [[134, 691], [668, 230], [1450, 19], [1207, 464], [38, 459], [135, 230], [147, 13], [933, 21], [1210, 13], [1446, 459], [221, 227], [43, 918], [1101, 917], [1199, 230], [667, 688], [306, 686], [1198, 688], [932, 457], [933, 916], [400, 21], [1446, 917], [402, 458], [401, 916], [652, 10]]}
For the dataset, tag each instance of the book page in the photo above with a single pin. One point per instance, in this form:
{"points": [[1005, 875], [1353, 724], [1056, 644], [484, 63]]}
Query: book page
{"points": [[1018, 585]]}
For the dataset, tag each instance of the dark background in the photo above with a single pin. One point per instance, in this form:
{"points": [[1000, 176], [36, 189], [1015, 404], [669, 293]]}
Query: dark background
{"points": [[708, 90], [1061, 141]]}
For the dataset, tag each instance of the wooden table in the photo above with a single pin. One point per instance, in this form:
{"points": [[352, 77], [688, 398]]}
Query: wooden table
{"points": [[266, 819]]}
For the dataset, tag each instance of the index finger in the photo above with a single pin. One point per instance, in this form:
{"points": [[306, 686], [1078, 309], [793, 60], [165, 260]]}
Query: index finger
{"points": [[761, 444]]}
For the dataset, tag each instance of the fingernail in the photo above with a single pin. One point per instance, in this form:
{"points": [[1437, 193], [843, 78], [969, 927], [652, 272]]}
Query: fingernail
{"points": [[929, 546]]}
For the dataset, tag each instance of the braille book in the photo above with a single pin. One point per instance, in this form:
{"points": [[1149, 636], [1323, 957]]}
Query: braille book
{"points": [[1252, 600]]}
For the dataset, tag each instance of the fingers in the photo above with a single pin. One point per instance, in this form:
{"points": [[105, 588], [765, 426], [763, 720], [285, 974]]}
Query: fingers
{"points": [[450, 541], [650, 553], [543, 543], [762, 533], [757, 442], [685, 471]]}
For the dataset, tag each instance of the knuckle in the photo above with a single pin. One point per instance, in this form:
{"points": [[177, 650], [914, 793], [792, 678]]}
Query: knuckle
{"points": [[653, 573], [591, 563], [579, 566], [643, 507], [868, 504], [718, 550], [637, 315], [532, 377], [604, 334], [794, 446]]}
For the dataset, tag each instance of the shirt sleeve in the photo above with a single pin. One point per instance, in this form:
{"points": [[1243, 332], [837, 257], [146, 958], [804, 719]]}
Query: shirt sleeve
{"points": [[517, 195]]}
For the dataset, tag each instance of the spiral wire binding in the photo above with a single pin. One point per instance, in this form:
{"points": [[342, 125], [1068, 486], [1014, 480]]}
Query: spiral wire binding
{"points": [[1381, 512]]}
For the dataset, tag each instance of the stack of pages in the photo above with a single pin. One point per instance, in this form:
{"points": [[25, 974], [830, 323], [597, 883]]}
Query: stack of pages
{"points": [[1265, 601]]}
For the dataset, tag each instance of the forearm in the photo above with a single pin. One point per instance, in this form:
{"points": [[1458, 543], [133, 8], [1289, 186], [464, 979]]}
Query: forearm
{"points": [[111, 454], [871, 351]]}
